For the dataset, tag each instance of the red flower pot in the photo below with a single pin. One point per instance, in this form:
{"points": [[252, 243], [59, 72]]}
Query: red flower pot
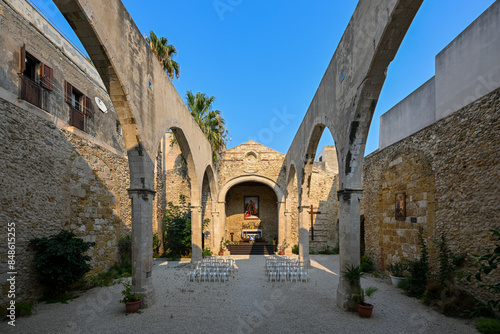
{"points": [[365, 310], [132, 307]]}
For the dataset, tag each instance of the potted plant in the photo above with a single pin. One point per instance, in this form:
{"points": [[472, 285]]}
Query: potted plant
{"points": [[282, 247], [222, 246], [353, 275], [397, 270], [131, 300]]}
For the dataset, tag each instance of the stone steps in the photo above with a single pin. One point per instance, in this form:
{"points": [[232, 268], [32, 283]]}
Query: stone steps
{"points": [[248, 249]]}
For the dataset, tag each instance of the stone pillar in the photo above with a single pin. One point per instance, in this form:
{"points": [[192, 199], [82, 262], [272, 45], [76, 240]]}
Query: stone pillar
{"points": [[304, 236], [288, 229], [349, 234], [142, 241], [215, 229], [196, 228], [282, 224]]}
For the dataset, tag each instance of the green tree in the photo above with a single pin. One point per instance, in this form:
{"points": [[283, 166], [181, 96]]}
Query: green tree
{"points": [[210, 121], [164, 52], [60, 261], [177, 228]]}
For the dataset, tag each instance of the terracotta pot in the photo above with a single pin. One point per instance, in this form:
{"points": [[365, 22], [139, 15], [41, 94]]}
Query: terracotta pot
{"points": [[365, 311], [221, 253], [132, 307], [281, 253]]}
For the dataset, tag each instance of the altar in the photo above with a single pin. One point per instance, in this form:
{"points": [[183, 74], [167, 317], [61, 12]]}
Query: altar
{"points": [[251, 233]]}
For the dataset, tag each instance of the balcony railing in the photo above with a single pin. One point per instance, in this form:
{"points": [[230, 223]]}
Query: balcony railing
{"points": [[31, 91]]}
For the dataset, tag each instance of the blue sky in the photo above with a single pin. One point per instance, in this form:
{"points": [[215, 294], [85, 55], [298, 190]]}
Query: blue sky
{"points": [[264, 60]]}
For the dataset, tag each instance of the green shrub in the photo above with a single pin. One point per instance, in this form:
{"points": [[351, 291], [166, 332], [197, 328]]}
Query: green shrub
{"points": [[177, 228], [397, 268], [366, 264], [418, 271], [60, 261], [488, 325], [206, 252], [295, 249], [329, 251], [485, 265]]}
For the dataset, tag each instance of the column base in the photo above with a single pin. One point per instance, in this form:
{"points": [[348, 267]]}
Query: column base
{"points": [[148, 296], [344, 300]]}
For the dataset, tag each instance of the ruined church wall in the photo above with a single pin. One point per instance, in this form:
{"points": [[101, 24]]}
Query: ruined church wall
{"points": [[449, 171], [54, 176], [323, 197], [53, 179]]}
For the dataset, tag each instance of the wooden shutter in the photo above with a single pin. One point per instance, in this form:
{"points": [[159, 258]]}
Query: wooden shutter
{"points": [[22, 59], [47, 77], [69, 93], [87, 106]]}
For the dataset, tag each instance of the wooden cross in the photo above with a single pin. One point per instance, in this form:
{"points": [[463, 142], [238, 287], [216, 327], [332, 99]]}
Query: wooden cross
{"points": [[312, 213]]}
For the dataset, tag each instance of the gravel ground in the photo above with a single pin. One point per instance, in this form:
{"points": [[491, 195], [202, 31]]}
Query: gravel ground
{"points": [[247, 303]]}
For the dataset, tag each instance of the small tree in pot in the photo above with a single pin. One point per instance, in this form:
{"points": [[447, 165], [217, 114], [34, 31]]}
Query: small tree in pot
{"points": [[353, 275], [130, 299], [397, 270]]}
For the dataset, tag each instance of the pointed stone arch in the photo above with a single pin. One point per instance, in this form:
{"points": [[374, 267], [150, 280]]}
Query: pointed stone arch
{"points": [[345, 102], [146, 104]]}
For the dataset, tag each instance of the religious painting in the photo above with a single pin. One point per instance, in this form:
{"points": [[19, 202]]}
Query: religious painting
{"points": [[400, 208], [251, 207]]}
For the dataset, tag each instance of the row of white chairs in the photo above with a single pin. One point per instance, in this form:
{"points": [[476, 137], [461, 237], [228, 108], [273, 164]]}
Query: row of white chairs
{"points": [[211, 269], [285, 269]]}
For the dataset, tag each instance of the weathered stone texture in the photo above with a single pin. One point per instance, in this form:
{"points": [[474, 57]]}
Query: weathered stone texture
{"points": [[251, 158], [51, 179], [67, 64], [323, 197], [450, 174]]}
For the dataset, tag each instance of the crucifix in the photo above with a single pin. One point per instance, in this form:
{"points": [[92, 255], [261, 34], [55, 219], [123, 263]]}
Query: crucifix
{"points": [[312, 213]]}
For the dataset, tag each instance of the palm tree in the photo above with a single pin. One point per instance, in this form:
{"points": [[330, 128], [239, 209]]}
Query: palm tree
{"points": [[164, 52], [210, 121]]}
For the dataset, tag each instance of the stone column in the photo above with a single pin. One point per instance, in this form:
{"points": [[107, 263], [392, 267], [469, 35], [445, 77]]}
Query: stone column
{"points": [[288, 229], [282, 223], [215, 229], [142, 241], [304, 236], [196, 228], [349, 234]]}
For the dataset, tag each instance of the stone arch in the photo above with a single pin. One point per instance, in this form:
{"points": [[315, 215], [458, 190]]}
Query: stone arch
{"points": [[208, 207], [251, 178], [146, 104], [346, 99], [221, 201], [292, 204]]}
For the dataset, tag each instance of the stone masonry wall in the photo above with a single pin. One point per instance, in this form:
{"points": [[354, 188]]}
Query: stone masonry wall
{"points": [[52, 179], [323, 197], [450, 174]]}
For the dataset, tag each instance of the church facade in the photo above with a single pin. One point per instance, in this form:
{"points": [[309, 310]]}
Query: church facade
{"points": [[252, 174], [64, 162]]}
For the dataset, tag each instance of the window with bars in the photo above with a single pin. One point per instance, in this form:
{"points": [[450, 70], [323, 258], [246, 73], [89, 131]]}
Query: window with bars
{"points": [[80, 107], [36, 77]]}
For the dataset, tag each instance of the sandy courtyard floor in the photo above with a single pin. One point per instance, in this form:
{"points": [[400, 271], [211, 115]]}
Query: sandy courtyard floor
{"points": [[247, 303]]}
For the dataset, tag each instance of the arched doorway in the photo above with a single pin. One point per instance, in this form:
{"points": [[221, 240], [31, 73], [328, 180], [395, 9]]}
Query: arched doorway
{"points": [[231, 209], [251, 208]]}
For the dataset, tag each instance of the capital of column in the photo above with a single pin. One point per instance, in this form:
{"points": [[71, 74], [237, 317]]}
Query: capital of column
{"points": [[347, 192], [195, 207], [215, 214], [288, 213], [142, 192], [304, 207]]}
